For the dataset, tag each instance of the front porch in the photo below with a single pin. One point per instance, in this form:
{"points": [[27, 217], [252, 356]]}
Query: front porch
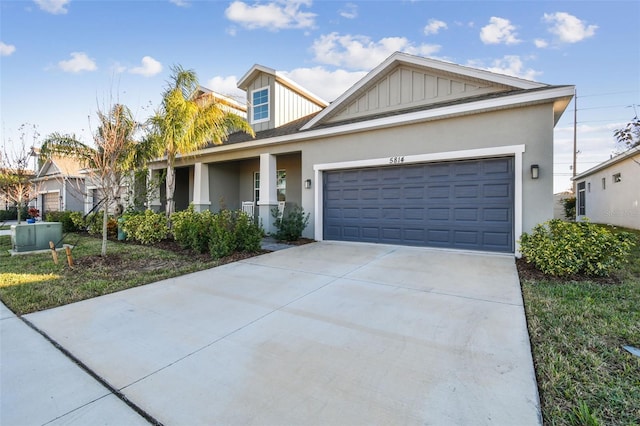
{"points": [[255, 185]]}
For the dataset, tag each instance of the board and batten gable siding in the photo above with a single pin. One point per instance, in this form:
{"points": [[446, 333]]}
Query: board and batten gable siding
{"points": [[406, 87], [290, 106], [285, 104]]}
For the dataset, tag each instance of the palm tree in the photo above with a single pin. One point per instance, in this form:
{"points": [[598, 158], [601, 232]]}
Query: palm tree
{"points": [[116, 154], [187, 122]]}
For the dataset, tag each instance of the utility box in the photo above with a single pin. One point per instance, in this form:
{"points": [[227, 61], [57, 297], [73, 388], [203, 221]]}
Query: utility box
{"points": [[35, 236]]}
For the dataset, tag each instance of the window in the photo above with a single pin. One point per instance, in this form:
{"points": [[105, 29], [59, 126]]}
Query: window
{"points": [[260, 105], [617, 178], [604, 183], [256, 186], [581, 199], [589, 187], [281, 185]]}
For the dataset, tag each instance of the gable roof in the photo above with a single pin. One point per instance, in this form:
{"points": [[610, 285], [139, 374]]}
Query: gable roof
{"points": [[504, 82], [60, 166], [255, 70], [610, 162]]}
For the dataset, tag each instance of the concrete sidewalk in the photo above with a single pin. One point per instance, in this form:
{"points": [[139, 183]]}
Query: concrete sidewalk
{"points": [[324, 333], [40, 385]]}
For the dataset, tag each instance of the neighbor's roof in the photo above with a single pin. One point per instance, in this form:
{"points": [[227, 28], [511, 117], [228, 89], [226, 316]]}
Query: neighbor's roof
{"points": [[610, 162]]}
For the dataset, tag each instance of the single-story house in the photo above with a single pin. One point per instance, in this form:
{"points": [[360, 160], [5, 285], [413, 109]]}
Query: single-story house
{"points": [[609, 192], [418, 152], [59, 185]]}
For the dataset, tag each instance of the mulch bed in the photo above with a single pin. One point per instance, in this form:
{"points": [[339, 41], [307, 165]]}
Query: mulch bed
{"points": [[527, 271]]}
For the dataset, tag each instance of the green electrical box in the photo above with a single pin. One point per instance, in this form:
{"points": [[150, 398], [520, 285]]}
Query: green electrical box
{"points": [[36, 236]]}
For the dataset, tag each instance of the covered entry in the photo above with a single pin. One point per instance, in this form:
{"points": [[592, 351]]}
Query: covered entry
{"points": [[466, 204]]}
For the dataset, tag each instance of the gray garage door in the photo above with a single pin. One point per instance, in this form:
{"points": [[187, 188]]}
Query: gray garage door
{"points": [[458, 204]]}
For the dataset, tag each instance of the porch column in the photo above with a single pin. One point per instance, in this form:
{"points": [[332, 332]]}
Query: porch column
{"points": [[153, 196], [268, 193], [201, 187]]}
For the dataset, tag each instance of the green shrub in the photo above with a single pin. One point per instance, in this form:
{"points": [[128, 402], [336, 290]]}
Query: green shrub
{"points": [[181, 222], [248, 233], [222, 239], [291, 224], [65, 217], [569, 205], [146, 228], [565, 248], [78, 220], [231, 231], [12, 213]]}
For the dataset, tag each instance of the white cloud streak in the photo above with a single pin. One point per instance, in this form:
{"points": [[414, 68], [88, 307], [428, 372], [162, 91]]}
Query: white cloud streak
{"points": [[274, 16], [180, 3], [324, 83], [55, 7], [227, 86], [6, 49], [567, 28], [148, 68], [360, 52], [434, 26], [349, 11], [510, 65], [499, 31], [79, 62]]}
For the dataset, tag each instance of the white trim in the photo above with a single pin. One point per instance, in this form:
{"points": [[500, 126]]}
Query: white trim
{"points": [[252, 106], [403, 58], [499, 151], [250, 75], [398, 120]]}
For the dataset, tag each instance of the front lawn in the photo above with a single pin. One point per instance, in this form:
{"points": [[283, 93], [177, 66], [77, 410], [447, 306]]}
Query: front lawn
{"points": [[577, 331], [30, 283]]}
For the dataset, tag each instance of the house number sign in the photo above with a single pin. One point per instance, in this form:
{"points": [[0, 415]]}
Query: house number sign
{"points": [[396, 160]]}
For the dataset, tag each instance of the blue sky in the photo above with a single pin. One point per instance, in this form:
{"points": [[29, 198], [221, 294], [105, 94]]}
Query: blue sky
{"points": [[61, 60]]}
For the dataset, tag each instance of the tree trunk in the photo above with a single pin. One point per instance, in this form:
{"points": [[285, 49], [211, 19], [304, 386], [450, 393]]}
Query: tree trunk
{"points": [[171, 187], [105, 219]]}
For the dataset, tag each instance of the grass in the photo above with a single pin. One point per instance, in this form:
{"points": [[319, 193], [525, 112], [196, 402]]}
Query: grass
{"points": [[577, 331], [30, 283]]}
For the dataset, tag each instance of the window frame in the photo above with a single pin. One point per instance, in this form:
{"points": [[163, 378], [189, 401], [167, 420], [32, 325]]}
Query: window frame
{"points": [[604, 183], [281, 184], [617, 177], [581, 201], [254, 105]]}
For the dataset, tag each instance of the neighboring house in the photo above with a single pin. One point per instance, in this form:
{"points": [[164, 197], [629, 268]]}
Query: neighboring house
{"points": [[558, 204], [59, 185], [418, 152], [610, 192]]}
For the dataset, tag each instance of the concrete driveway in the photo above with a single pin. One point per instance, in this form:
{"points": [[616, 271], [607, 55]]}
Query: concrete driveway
{"points": [[325, 333]]}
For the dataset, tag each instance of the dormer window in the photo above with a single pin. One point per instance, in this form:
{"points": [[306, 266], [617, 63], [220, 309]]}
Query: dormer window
{"points": [[260, 105]]}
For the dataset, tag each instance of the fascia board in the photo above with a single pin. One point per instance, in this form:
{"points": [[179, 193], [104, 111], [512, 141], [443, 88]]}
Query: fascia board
{"points": [[242, 83], [402, 119]]}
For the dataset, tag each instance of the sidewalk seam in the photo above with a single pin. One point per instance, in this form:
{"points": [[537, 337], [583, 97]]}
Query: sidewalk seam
{"points": [[90, 372]]}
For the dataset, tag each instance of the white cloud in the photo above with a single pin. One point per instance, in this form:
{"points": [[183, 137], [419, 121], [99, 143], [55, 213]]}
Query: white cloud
{"points": [[79, 62], [6, 49], [180, 3], [434, 26], [276, 15], [349, 11], [510, 65], [227, 86], [567, 28], [56, 7], [360, 52], [499, 30], [324, 83], [149, 67], [540, 43]]}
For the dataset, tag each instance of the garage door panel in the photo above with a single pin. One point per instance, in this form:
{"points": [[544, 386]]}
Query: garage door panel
{"points": [[461, 204]]}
